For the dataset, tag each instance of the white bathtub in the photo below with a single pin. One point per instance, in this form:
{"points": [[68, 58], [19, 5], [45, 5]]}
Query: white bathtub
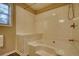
{"points": [[43, 49], [52, 50]]}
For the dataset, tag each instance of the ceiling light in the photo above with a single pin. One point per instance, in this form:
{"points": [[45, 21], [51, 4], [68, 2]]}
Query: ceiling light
{"points": [[54, 14], [61, 20]]}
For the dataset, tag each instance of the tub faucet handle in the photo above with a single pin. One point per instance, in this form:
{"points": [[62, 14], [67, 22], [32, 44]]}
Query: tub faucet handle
{"points": [[71, 40]]}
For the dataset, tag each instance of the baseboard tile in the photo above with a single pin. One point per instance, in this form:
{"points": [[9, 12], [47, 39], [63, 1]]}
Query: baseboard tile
{"points": [[6, 54], [21, 54]]}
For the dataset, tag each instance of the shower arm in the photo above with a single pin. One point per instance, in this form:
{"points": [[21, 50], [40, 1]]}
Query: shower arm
{"points": [[71, 7]]}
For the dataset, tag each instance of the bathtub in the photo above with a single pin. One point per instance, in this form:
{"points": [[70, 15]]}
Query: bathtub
{"points": [[33, 44], [43, 49]]}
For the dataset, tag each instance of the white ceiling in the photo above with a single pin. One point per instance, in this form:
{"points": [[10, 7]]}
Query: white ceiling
{"points": [[37, 6]]}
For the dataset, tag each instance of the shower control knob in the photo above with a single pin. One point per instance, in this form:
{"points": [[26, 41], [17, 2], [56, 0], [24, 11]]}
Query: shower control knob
{"points": [[73, 25], [53, 41]]}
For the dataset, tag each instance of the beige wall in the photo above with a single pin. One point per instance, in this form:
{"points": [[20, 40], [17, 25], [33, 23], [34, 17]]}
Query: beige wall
{"points": [[9, 33], [24, 21]]}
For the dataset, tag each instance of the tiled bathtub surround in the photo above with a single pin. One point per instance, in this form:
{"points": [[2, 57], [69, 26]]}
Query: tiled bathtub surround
{"points": [[54, 26]]}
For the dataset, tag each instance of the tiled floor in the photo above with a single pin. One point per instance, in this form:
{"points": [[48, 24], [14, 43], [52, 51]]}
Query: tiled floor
{"points": [[16, 54]]}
